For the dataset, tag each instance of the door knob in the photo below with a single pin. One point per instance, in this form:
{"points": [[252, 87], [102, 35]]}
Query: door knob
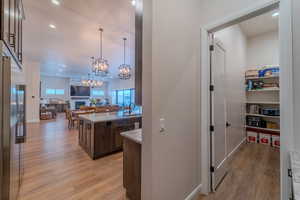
{"points": [[228, 124]]}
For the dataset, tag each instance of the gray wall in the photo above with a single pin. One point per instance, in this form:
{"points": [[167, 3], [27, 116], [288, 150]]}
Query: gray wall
{"points": [[172, 67], [171, 161], [296, 71]]}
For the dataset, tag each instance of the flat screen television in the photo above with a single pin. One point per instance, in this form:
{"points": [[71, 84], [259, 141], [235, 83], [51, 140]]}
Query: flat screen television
{"points": [[80, 91]]}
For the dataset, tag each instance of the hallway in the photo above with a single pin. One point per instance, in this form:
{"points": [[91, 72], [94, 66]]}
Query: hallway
{"points": [[56, 168], [254, 175]]}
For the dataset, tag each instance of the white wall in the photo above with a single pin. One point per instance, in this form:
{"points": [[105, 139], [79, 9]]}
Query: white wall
{"points": [[296, 72], [172, 72], [51, 82], [171, 79], [235, 44], [263, 50], [32, 71], [118, 84]]}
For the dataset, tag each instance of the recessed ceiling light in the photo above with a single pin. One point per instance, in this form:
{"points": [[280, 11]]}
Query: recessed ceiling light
{"points": [[275, 14], [133, 2], [55, 2], [52, 26]]}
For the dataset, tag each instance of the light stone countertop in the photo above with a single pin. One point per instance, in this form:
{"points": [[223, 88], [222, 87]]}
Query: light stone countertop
{"points": [[134, 135], [295, 165], [104, 117]]}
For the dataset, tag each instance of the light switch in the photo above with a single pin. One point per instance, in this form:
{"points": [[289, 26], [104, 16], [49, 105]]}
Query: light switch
{"points": [[162, 125]]}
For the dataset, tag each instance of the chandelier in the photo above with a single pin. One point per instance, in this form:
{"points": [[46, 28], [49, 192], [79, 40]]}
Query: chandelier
{"points": [[89, 82], [124, 69], [100, 65]]}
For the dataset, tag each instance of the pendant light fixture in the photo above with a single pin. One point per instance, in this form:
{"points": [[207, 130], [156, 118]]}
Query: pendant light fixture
{"points": [[124, 69], [100, 66], [89, 82]]}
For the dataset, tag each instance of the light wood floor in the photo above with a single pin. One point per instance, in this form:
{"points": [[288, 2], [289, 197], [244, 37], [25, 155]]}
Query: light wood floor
{"points": [[56, 168], [254, 175]]}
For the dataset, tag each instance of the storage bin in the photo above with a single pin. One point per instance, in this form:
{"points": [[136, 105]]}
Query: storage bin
{"points": [[265, 139], [275, 141], [252, 137], [268, 71]]}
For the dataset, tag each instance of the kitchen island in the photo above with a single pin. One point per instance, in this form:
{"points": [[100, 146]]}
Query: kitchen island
{"points": [[100, 133], [132, 162]]}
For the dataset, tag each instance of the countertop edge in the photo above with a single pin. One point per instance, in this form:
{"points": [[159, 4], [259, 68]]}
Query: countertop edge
{"points": [[134, 135], [82, 117]]}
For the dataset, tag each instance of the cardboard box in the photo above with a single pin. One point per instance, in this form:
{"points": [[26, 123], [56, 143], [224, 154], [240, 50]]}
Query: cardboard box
{"points": [[275, 141], [265, 139], [252, 137]]}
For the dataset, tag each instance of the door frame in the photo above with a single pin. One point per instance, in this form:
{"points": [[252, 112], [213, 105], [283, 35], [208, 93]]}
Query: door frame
{"points": [[286, 78]]}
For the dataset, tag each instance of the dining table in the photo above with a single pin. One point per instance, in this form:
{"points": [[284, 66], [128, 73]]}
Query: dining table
{"points": [[76, 113]]}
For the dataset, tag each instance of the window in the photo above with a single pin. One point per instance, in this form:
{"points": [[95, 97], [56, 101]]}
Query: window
{"points": [[120, 97], [55, 91], [114, 98], [98, 92], [59, 92], [50, 91], [123, 97]]}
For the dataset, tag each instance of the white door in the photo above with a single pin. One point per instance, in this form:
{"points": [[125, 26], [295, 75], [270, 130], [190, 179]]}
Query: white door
{"points": [[219, 165]]}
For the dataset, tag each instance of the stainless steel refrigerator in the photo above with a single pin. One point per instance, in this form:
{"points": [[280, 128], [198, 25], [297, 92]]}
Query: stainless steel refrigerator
{"points": [[12, 124]]}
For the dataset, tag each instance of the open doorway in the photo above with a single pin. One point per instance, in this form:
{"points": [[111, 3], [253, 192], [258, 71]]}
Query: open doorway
{"points": [[243, 94]]}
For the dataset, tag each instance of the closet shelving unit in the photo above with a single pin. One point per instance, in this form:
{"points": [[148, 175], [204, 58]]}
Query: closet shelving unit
{"points": [[265, 98]]}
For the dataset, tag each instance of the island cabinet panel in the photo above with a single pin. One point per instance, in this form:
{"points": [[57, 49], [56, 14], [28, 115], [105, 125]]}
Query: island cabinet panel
{"points": [[99, 139], [103, 139], [85, 136], [132, 169], [119, 127]]}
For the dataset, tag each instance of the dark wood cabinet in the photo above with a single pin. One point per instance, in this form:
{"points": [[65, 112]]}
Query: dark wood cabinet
{"points": [[117, 128], [132, 169], [103, 138], [12, 16]]}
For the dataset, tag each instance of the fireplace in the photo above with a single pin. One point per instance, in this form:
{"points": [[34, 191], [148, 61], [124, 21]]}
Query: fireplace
{"points": [[78, 104]]}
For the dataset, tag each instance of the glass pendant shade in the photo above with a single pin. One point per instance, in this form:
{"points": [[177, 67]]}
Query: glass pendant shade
{"points": [[100, 66], [91, 83], [124, 72], [125, 69]]}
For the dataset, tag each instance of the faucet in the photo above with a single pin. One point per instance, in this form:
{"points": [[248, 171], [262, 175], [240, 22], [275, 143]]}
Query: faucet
{"points": [[131, 108]]}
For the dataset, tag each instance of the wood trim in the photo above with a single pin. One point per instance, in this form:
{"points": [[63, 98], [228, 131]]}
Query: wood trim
{"points": [[138, 51]]}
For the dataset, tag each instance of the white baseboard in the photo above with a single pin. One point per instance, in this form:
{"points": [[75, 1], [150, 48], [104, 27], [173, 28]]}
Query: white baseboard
{"points": [[194, 194], [33, 121], [237, 147]]}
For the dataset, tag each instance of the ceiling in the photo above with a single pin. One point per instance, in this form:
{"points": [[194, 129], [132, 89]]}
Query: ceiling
{"points": [[67, 49], [260, 24]]}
